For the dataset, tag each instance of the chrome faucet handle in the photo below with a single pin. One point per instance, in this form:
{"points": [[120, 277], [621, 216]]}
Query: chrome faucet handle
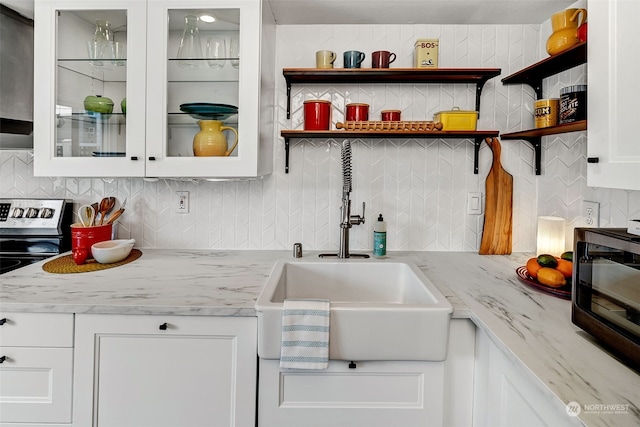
{"points": [[297, 250], [357, 219]]}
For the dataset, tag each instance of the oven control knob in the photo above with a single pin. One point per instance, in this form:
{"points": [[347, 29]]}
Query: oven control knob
{"points": [[17, 213], [32, 213], [46, 213]]}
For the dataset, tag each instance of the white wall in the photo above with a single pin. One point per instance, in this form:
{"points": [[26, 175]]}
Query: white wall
{"points": [[419, 186]]}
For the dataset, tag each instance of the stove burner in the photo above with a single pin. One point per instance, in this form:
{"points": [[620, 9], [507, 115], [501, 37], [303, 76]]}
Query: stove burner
{"points": [[7, 265]]}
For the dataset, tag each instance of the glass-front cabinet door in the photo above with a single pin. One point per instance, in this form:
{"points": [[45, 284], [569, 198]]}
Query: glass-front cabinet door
{"points": [[90, 88], [157, 88]]}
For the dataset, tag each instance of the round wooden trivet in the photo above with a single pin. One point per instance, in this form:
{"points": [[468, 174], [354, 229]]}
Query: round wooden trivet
{"points": [[66, 265]]}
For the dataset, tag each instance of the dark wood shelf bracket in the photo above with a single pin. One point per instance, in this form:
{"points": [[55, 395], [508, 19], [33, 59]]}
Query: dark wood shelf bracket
{"points": [[288, 99]]}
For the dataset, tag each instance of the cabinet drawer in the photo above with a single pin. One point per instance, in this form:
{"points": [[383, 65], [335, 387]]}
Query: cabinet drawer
{"points": [[372, 394], [36, 385], [36, 329]]}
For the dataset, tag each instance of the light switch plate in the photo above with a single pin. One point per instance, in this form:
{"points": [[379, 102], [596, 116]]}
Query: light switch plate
{"points": [[634, 227], [474, 203]]}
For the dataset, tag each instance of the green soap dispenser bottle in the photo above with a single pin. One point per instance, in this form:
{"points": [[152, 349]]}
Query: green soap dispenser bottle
{"points": [[380, 238]]}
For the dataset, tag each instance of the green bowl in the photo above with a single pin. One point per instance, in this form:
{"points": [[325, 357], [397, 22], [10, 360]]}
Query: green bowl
{"points": [[98, 104]]}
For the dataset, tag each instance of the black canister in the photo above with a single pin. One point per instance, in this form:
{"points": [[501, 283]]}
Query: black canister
{"points": [[573, 103]]}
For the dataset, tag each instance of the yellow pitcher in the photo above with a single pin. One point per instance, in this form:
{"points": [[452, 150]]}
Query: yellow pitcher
{"points": [[210, 141], [565, 25]]}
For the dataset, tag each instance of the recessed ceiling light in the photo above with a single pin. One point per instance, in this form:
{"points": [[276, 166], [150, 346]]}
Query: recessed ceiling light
{"points": [[205, 17]]}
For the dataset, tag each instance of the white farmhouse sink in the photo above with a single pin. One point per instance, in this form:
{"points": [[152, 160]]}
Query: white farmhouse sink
{"points": [[380, 310]]}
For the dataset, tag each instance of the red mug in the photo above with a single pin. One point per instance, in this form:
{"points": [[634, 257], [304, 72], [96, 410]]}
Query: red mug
{"points": [[357, 112], [382, 59], [82, 238], [317, 114], [390, 115]]}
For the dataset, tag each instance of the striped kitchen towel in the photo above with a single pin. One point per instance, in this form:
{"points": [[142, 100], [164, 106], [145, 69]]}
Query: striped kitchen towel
{"points": [[305, 334]]}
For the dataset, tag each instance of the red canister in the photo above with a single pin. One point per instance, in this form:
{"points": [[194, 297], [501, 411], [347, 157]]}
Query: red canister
{"points": [[357, 112], [390, 115], [317, 114]]}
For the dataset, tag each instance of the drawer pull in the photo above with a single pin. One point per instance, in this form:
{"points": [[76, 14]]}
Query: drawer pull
{"points": [[3, 358], [352, 365], [3, 321], [163, 327]]}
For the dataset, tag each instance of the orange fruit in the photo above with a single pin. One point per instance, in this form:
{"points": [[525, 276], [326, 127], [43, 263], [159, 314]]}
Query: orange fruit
{"points": [[565, 267], [533, 267], [551, 277]]}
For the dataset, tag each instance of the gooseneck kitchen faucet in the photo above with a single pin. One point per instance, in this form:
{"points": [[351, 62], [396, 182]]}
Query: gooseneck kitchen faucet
{"points": [[347, 220]]}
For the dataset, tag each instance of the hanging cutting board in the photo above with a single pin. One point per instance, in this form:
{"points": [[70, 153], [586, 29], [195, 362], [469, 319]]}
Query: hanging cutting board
{"points": [[496, 233]]}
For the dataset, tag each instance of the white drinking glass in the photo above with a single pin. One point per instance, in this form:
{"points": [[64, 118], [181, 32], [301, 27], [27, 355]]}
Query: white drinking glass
{"points": [[235, 52], [216, 52]]}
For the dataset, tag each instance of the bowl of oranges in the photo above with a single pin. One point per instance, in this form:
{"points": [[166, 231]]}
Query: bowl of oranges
{"points": [[549, 274]]}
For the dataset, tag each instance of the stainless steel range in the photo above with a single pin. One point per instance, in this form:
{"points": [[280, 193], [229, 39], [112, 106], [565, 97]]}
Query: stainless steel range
{"points": [[32, 230]]}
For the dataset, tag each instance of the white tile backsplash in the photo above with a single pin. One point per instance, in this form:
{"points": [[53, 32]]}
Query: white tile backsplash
{"points": [[419, 185]]}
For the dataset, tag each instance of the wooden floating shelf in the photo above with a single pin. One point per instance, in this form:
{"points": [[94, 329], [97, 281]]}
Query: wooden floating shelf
{"points": [[534, 137], [477, 136], [551, 130], [477, 76], [534, 74]]}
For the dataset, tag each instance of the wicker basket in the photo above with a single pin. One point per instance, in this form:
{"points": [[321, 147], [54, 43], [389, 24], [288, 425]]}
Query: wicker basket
{"points": [[402, 126]]}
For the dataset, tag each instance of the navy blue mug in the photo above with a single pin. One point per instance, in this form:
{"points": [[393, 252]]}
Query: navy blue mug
{"points": [[353, 59]]}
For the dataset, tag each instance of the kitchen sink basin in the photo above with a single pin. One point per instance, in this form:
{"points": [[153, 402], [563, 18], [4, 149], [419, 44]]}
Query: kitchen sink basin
{"points": [[380, 309]]}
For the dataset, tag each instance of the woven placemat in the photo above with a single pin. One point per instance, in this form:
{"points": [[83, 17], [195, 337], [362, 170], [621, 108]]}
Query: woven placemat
{"points": [[66, 265]]}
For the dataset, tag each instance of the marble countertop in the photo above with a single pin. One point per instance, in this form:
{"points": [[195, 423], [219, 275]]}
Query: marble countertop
{"points": [[533, 328]]}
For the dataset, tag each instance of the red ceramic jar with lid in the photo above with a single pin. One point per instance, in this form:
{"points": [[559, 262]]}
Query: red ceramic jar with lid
{"points": [[390, 115], [317, 114], [357, 112]]}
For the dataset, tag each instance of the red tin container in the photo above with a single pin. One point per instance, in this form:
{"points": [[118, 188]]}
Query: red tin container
{"points": [[390, 115], [357, 112], [317, 114]]}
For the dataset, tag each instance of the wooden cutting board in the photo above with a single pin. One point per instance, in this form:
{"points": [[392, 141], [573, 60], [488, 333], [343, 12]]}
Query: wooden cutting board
{"points": [[496, 233]]}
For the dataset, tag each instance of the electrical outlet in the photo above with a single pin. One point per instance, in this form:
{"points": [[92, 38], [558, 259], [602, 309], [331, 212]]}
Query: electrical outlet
{"points": [[182, 206], [591, 212]]}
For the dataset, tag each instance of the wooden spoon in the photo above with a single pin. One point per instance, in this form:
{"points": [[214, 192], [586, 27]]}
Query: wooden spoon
{"points": [[115, 216], [106, 205]]}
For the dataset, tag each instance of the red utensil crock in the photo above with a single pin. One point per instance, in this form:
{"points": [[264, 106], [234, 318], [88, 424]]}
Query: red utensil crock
{"points": [[83, 237]]}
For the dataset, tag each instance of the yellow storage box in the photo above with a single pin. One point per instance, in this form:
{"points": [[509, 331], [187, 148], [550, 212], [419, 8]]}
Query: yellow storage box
{"points": [[457, 119]]}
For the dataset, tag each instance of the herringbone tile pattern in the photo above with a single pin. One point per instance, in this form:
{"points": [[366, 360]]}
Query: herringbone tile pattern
{"points": [[419, 185]]}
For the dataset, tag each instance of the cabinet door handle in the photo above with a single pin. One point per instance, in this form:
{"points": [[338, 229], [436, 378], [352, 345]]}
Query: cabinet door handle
{"points": [[163, 327], [151, 158], [3, 358], [3, 321], [352, 365], [593, 160], [134, 157]]}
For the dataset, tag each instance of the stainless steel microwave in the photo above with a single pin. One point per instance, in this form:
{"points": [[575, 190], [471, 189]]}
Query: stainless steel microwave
{"points": [[606, 289]]}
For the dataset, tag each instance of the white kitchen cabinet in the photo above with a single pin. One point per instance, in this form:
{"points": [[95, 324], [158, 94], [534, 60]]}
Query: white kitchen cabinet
{"points": [[155, 137], [373, 393], [506, 395], [613, 151], [165, 371], [36, 354]]}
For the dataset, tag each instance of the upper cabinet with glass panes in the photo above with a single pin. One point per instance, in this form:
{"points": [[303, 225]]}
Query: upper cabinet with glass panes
{"points": [[126, 88]]}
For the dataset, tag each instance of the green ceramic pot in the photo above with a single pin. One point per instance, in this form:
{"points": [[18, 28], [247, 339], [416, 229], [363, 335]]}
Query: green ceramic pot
{"points": [[98, 104]]}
